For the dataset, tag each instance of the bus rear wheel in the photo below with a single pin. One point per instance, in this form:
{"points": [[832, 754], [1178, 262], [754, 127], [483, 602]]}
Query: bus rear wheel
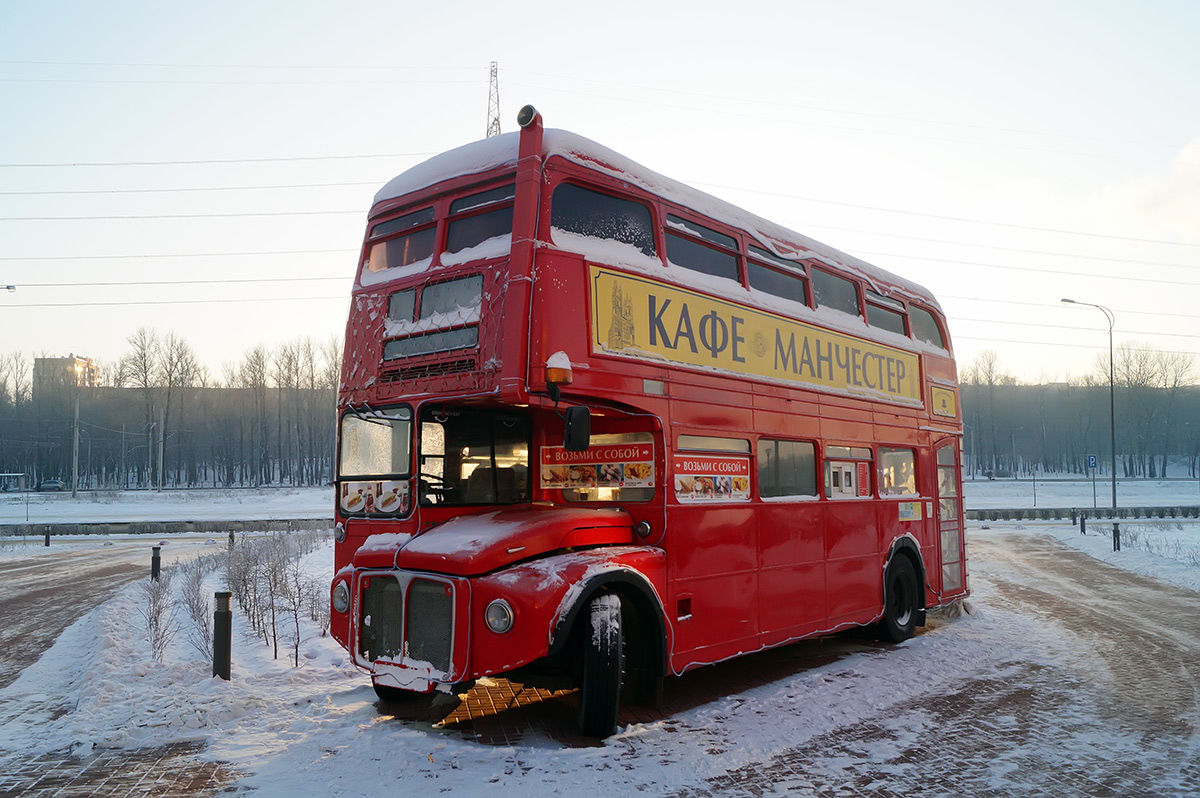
{"points": [[900, 600], [603, 662]]}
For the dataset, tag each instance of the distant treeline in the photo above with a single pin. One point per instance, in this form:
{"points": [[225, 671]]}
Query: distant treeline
{"points": [[1016, 429], [269, 419], [161, 419]]}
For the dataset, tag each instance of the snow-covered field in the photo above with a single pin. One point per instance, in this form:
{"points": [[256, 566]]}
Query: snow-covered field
{"points": [[317, 502], [983, 494], [315, 729], [246, 504]]}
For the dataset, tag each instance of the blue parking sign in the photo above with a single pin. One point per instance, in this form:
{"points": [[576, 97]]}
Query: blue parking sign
{"points": [[1092, 463]]}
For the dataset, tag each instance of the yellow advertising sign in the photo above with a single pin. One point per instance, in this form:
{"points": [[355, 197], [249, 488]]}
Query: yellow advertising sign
{"points": [[639, 317], [942, 402]]}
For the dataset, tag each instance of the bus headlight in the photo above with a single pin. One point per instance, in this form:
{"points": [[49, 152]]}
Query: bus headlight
{"points": [[341, 597], [339, 532], [499, 616]]}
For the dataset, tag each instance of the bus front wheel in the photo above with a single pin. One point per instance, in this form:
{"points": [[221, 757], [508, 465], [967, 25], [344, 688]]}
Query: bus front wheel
{"points": [[900, 600], [603, 654]]}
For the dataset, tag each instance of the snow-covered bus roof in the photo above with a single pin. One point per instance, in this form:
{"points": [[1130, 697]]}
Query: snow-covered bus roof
{"points": [[501, 151]]}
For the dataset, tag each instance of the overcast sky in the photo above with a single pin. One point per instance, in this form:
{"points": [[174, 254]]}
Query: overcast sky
{"points": [[156, 158]]}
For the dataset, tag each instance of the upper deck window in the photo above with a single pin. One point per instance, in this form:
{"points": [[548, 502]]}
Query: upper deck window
{"points": [[415, 242], [925, 327], [687, 251], [471, 230], [782, 278], [885, 313], [575, 209], [835, 292]]}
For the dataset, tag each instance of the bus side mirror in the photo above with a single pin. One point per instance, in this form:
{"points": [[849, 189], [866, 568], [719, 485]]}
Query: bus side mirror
{"points": [[578, 429]]}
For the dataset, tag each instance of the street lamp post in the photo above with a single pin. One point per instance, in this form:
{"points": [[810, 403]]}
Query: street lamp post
{"points": [[1112, 393]]}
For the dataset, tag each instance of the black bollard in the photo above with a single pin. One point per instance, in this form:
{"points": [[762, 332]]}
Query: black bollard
{"points": [[47, 536], [222, 634], [1116, 536], [1074, 517], [155, 563], [1083, 524]]}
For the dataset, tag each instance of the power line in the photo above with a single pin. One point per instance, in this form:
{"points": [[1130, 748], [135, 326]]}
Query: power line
{"points": [[152, 82], [168, 256], [178, 190], [1014, 323], [941, 217], [1137, 261], [186, 282], [1037, 269], [245, 214], [216, 161], [423, 67], [178, 302], [1056, 344], [1059, 305]]}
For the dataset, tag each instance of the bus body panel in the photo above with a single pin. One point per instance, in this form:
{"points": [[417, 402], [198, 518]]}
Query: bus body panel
{"points": [[700, 577]]}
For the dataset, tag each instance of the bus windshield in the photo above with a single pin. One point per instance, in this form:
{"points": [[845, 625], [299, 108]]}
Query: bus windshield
{"points": [[375, 443], [470, 456]]}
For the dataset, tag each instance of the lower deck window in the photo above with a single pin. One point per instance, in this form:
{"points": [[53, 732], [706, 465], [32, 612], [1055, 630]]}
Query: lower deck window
{"points": [[786, 468]]}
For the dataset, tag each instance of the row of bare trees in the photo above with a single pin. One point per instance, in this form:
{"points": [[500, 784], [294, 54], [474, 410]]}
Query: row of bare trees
{"points": [[160, 418], [1020, 429]]}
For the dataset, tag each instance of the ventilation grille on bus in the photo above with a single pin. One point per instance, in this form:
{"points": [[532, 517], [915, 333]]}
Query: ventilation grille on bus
{"points": [[427, 370], [382, 622], [430, 623]]}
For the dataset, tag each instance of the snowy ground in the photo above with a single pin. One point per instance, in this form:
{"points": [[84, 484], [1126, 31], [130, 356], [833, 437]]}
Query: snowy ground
{"points": [[316, 729]]}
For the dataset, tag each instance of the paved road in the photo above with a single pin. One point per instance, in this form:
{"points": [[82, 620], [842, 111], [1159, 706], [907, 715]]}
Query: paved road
{"points": [[45, 594], [1117, 714], [1030, 728]]}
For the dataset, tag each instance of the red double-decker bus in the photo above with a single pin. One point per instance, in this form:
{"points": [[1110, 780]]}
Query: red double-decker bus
{"points": [[597, 428]]}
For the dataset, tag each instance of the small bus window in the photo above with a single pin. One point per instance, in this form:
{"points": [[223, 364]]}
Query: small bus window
{"points": [[452, 297], [402, 250], [401, 305], [414, 219], [897, 472], [788, 285], [709, 443], [835, 292], [786, 468], [578, 210], [483, 198], [689, 253], [848, 452], [469, 231], [925, 327], [885, 319]]}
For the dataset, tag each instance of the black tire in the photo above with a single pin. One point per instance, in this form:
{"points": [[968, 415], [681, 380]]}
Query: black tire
{"points": [[392, 695], [901, 601], [603, 655]]}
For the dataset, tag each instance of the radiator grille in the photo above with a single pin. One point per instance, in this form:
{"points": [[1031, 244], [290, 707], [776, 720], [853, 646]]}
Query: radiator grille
{"points": [[382, 620], [430, 622]]}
